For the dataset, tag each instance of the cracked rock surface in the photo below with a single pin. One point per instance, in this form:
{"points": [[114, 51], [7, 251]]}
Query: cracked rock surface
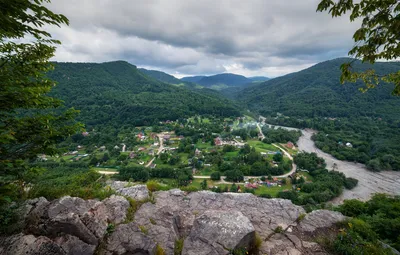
{"points": [[205, 222]]}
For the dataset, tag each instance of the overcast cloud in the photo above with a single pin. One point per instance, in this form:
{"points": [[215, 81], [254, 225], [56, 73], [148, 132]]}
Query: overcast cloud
{"points": [[196, 37]]}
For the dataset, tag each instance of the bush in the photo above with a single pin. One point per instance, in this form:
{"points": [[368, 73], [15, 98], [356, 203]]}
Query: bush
{"points": [[265, 195], [215, 176], [189, 189], [153, 186], [350, 183]]}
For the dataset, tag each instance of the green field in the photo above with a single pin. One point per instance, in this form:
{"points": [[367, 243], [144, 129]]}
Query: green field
{"points": [[273, 191], [201, 145], [262, 147]]}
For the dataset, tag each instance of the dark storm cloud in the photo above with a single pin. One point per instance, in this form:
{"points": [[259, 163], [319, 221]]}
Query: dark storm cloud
{"points": [[254, 37]]}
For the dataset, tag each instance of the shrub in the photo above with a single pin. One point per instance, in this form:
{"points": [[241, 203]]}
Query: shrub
{"points": [[178, 246], [153, 186], [265, 195], [350, 183], [143, 229], [215, 176], [189, 189], [278, 229]]}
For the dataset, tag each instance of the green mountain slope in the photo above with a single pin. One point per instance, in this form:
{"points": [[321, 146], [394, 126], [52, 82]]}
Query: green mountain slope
{"points": [[167, 78], [117, 93], [220, 81], [316, 91]]}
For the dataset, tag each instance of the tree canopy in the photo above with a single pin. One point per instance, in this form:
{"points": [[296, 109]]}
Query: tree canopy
{"points": [[377, 38], [28, 125]]}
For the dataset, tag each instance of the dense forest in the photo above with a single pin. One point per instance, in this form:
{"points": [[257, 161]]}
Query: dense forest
{"points": [[116, 93]]}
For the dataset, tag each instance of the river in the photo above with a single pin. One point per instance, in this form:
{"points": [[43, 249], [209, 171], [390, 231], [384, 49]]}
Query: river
{"points": [[368, 182]]}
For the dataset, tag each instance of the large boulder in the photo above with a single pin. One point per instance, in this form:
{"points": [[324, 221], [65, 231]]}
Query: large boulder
{"points": [[320, 219], [74, 246], [128, 189], [138, 192], [29, 244], [219, 232], [129, 239]]}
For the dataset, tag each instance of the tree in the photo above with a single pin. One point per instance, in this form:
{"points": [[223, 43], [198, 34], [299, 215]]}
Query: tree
{"points": [[28, 122], [203, 184], [377, 38], [278, 157], [234, 176], [215, 176]]}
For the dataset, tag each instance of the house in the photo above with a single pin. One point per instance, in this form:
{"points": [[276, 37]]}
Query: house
{"points": [[218, 141], [197, 152], [116, 147], [238, 137], [79, 147], [85, 133], [251, 185], [290, 145], [132, 155], [349, 145], [263, 154], [102, 148]]}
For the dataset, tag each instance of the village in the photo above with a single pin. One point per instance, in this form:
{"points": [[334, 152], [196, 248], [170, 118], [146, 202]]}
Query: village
{"points": [[209, 148]]}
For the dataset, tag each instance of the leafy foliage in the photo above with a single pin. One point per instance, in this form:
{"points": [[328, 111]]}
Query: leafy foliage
{"points": [[381, 214], [326, 184], [377, 38], [28, 123]]}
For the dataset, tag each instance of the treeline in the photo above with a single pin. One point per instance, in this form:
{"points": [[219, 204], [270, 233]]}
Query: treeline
{"points": [[56, 179], [280, 135], [325, 186], [139, 173]]}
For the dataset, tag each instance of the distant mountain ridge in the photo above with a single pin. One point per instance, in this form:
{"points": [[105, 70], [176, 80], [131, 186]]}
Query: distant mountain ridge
{"points": [[224, 80]]}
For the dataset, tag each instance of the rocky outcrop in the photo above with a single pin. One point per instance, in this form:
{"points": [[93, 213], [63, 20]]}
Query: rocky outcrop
{"points": [[217, 232], [137, 192], [204, 222]]}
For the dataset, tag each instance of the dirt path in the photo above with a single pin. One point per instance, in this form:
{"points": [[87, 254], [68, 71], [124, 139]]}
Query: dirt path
{"points": [[368, 182], [280, 148]]}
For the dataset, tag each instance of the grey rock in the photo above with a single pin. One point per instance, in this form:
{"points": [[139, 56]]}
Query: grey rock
{"points": [[28, 244], [129, 239], [218, 232], [320, 219], [209, 223], [74, 246], [70, 224], [138, 192], [117, 207]]}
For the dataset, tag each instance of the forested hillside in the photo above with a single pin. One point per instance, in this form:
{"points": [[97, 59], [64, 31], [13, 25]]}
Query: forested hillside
{"points": [[316, 91], [167, 78], [354, 126], [116, 93], [220, 81]]}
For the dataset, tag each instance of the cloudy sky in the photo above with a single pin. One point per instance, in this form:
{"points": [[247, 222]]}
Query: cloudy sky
{"points": [[202, 37]]}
